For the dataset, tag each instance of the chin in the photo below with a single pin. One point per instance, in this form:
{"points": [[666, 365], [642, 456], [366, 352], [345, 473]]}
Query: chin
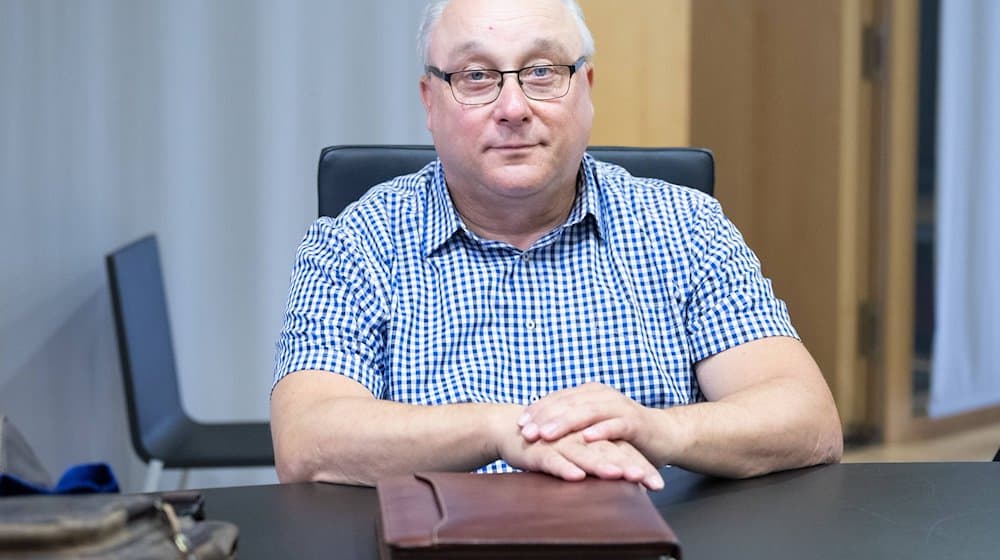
{"points": [[518, 178]]}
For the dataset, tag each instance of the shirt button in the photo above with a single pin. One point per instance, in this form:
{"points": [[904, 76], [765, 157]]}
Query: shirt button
{"points": [[525, 256], [529, 324]]}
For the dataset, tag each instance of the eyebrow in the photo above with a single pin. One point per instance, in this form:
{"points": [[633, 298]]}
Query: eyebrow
{"points": [[538, 46]]}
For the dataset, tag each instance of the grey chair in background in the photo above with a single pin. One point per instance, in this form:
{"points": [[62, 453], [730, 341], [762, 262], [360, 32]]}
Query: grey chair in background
{"points": [[347, 172], [163, 434]]}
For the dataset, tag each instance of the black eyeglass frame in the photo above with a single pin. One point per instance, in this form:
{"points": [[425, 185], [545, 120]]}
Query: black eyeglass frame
{"points": [[446, 76]]}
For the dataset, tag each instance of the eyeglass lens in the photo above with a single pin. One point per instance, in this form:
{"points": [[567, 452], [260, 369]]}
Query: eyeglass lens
{"points": [[537, 82]]}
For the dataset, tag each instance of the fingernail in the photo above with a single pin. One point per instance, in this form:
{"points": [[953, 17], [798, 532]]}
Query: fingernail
{"points": [[549, 429], [654, 482], [524, 419], [590, 433]]}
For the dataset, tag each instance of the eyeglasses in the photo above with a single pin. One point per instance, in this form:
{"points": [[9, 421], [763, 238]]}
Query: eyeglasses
{"points": [[483, 85]]}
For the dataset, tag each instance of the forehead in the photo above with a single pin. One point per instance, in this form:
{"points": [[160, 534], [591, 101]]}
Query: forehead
{"points": [[505, 29]]}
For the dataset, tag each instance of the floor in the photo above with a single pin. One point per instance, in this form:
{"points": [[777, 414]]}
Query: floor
{"points": [[973, 445]]}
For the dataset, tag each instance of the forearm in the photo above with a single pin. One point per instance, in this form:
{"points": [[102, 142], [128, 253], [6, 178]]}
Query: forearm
{"points": [[328, 428], [752, 432]]}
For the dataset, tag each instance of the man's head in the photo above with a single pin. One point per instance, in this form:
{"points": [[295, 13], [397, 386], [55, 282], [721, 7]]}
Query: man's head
{"points": [[514, 146], [434, 10]]}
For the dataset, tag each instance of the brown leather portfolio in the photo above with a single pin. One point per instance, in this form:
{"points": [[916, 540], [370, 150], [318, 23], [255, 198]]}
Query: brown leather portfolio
{"points": [[518, 515]]}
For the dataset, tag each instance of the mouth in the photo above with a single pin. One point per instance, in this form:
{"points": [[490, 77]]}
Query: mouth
{"points": [[513, 147]]}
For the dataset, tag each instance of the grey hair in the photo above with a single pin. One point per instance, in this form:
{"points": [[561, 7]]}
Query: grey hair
{"points": [[434, 10]]}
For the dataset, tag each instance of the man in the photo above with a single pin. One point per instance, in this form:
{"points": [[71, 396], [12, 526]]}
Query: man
{"points": [[517, 304]]}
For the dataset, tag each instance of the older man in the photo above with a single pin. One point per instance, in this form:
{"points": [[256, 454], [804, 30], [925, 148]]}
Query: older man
{"points": [[517, 304]]}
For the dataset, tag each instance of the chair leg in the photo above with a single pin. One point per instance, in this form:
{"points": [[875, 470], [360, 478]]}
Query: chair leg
{"points": [[182, 485], [153, 471]]}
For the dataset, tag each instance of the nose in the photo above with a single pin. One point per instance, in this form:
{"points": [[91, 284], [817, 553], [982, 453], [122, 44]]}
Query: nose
{"points": [[512, 106]]}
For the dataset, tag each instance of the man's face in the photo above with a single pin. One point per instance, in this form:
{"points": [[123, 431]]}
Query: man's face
{"points": [[514, 147]]}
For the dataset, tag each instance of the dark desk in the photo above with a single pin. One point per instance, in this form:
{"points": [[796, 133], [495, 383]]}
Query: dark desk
{"points": [[855, 511]]}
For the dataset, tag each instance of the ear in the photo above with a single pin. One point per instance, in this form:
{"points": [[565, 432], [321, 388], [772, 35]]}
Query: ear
{"points": [[425, 97]]}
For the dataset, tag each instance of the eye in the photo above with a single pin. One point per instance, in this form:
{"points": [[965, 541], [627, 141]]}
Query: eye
{"points": [[476, 75], [541, 71]]}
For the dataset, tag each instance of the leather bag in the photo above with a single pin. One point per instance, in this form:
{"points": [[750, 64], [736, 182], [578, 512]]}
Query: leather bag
{"points": [[518, 515]]}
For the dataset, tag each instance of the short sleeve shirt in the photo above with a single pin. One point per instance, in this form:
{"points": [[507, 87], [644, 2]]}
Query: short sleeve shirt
{"points": [[643, 280]]}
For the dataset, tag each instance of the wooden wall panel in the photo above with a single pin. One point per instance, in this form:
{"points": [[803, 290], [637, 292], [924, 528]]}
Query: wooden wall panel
{"points": [[796, 174], [773, 87], [815, 164], [642, 71], [722, 94], [776, 93]]}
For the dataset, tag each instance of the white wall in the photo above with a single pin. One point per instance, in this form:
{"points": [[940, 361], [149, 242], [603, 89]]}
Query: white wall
{"points": [[200, 121]]}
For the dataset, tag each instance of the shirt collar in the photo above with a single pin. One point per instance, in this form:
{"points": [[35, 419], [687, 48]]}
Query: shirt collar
{"points": [[443, 219], [588, 196]]}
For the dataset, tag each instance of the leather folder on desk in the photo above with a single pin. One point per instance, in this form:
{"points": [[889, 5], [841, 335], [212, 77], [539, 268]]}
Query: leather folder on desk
{"points": [[518, 515]]}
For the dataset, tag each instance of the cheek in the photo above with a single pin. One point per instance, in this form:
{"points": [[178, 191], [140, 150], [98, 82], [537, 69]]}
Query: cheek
{"points": [[585, 112], [455, 134], [461, 128], [583, 121]]}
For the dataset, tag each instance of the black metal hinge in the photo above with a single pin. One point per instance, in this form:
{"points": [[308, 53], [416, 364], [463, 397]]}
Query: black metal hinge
{"points": [[872, 52], [867, 329]]}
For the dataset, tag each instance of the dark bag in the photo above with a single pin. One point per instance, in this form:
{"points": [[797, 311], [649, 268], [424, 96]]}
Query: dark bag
{"points": [[103, 526]]}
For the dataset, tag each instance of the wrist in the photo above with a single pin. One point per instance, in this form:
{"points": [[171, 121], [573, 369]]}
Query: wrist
{"points": [[502, 429], [660, 440]]}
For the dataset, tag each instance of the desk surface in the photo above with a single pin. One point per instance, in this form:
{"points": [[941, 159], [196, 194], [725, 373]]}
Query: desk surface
{"points": [[857, 511]]}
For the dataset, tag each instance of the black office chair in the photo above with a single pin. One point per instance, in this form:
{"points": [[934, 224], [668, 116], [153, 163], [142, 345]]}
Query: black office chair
{"points": [[163, 435], [996, 458], [347, 172]]}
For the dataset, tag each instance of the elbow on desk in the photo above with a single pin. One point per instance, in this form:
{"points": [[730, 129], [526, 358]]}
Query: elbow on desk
{"points": [[306, 465], [827, 447], [829, 440], [833, 449], [297, 463], [290, 466]]}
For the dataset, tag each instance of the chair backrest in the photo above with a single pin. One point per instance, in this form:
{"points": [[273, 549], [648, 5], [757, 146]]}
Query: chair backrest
{"points": [[347, 172], [144, 343]]}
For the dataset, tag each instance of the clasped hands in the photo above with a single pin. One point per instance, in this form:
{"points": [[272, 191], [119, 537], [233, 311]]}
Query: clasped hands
{"points": [[587, 430]]}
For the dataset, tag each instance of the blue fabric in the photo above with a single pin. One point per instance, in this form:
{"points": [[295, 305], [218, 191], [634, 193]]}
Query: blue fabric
{"points": [[88, 478], [642, 281]]}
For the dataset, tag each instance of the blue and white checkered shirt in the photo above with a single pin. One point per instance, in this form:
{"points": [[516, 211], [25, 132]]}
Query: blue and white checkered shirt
{"points": [[642, 281]]}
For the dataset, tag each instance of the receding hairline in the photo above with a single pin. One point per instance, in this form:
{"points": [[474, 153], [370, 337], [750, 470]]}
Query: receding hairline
{"points": [[434, 11]]}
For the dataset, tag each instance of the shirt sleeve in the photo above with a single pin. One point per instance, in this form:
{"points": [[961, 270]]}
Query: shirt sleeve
{"points": [[732, 302], [335, 315]]}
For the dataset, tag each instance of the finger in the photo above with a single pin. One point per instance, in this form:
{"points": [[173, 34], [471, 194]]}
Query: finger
{"points": [[557, 465], [654, 482], [594, 461], [610, 429], [555, 403], [645, 473], [636, 467], [530, 432], [572, 419], [605, 459]]}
